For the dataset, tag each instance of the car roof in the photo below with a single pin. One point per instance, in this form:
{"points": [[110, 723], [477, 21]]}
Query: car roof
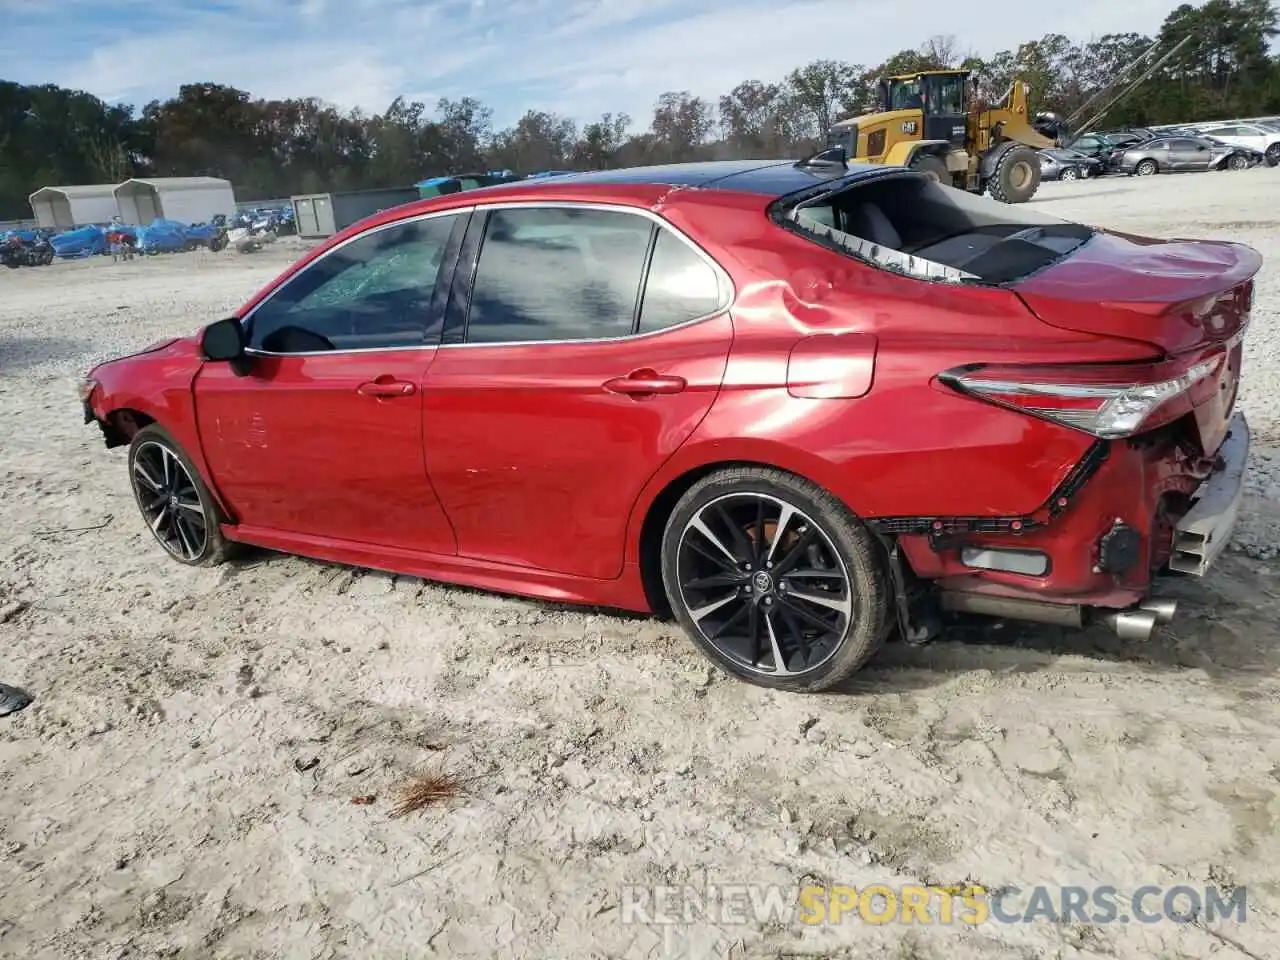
{"points": [[645, 186], [772, 178]]}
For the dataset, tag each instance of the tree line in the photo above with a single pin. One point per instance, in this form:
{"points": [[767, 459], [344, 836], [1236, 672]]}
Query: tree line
{"points": [[50, 135]]}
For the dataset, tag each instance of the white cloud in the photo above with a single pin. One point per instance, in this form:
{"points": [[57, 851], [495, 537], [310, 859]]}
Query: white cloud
{"points": [[578, 57]]}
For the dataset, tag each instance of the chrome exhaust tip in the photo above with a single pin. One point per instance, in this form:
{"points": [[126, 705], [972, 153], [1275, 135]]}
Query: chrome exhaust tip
{"points": [[1132, 624], [1163, 609]]}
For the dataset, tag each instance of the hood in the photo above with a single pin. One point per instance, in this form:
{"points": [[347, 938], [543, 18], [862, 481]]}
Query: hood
{"points": [[155, 347]]}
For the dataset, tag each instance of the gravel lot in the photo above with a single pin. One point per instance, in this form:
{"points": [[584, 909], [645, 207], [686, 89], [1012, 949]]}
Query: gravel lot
{"points": [[160, 798]]}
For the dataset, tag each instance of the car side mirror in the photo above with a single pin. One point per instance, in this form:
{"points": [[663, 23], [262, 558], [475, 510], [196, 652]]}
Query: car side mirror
{"points": [[223, 340]]}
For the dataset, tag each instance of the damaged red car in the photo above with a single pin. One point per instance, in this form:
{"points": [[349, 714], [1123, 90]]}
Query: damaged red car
{"points": [[802, 406]]}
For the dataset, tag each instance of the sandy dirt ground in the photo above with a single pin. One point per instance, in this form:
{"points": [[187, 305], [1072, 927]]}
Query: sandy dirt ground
{"points": [[183, 785]]}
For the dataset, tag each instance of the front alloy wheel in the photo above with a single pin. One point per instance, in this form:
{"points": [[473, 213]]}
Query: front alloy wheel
{"points": [[774, 579], [173, 500]]}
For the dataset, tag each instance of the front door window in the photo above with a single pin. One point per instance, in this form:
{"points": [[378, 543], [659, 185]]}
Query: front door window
{"points": [[372, 293]]}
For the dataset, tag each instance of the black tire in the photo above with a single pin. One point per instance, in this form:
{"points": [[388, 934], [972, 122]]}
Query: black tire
{"points": [[218, 242], [1069, 173], [1016, 176], [932, 167], [1147, 168], [1272, 155], [1237, 161], [843, 580], [161, 491]]}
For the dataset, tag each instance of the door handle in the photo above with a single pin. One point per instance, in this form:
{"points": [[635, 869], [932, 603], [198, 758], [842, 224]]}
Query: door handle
{"points": [[644, 383], [386, 387]]}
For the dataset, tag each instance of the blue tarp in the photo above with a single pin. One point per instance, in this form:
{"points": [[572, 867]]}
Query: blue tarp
{"points": [[83, 242], [162, 236], [26, 236], [159, 236]]}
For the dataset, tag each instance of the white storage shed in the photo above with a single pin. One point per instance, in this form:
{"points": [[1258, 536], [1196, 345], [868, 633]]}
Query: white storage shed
{"points": [[65, 207], [185, 199]]}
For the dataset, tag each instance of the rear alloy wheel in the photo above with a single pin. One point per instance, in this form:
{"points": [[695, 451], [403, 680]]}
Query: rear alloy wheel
{"points": [[774, 579], [1147, 168], [173, 500], [1272, 156], [1238, 161], [1069, 173]]}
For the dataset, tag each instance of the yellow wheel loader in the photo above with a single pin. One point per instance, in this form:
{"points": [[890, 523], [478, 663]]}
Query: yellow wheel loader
{"points": [[936, 123]]}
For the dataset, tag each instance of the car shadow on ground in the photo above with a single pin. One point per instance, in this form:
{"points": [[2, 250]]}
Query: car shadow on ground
{"points": [[1227, 626], [20, 353]]}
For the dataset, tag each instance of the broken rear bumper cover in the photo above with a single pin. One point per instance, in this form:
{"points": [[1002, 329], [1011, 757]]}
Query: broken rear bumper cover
{"points": [[1205, 530]]}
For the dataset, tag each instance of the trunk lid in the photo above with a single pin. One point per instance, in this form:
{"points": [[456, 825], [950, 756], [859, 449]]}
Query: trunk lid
{"points": [[1177, 295], [1188, 299]]}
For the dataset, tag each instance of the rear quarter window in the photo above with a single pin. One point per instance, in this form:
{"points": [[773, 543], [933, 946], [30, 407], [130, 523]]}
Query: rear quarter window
{"points": [[681, 285]]}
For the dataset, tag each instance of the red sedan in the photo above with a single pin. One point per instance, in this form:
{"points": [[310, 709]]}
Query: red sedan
{"points": [[802, 406]]}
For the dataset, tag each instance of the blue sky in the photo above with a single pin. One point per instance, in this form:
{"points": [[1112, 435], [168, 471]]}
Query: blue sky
{"points": [[575, 57]]}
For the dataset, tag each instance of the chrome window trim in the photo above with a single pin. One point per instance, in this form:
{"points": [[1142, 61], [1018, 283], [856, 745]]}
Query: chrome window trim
{"points": [[430, 215], [727, 291]]}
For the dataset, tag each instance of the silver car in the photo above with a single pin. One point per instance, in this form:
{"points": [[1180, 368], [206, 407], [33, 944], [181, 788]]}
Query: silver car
{"points": [[1063, 164], [1180, 155]]}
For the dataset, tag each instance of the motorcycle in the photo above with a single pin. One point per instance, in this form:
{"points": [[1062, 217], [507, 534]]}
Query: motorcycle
{"points": [[17, 251]]}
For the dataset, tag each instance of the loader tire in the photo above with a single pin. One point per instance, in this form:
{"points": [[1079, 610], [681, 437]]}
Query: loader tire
{"points": [[932, 167], [1016, 176]]}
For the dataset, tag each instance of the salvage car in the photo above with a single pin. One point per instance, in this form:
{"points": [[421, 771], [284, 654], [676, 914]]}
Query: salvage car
{"points": [[1181, 155], [1259, 137], [802, 406], [1060, 164]]}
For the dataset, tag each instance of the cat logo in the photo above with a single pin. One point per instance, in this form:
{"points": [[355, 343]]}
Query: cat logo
{"points": [[909, 126]]}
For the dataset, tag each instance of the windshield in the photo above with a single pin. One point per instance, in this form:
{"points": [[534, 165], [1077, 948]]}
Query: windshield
{"points": [[912, 225], [905, 94]]}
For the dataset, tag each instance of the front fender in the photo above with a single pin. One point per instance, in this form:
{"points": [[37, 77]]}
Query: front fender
{"points": [[900, 154], [987, 162], [159, 385]]}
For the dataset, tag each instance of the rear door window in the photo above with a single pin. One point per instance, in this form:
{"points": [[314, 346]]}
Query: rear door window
{"points": [[558, 273]]}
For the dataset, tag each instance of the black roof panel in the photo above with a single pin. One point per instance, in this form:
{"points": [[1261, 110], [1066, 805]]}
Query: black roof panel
{"points": [[774, 178]]}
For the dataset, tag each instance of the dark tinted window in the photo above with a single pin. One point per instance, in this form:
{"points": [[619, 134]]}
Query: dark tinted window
{"points": [[372, 292], [682, 286], [550, 273], [1186, 144]]}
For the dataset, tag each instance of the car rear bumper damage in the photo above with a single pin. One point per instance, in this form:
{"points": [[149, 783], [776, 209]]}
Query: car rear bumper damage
{"points": [[1141, 509], [1205, 530]]}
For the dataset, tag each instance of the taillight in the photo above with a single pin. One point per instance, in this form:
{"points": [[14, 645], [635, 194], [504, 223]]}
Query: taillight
{"points": [[1104, 401]]}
